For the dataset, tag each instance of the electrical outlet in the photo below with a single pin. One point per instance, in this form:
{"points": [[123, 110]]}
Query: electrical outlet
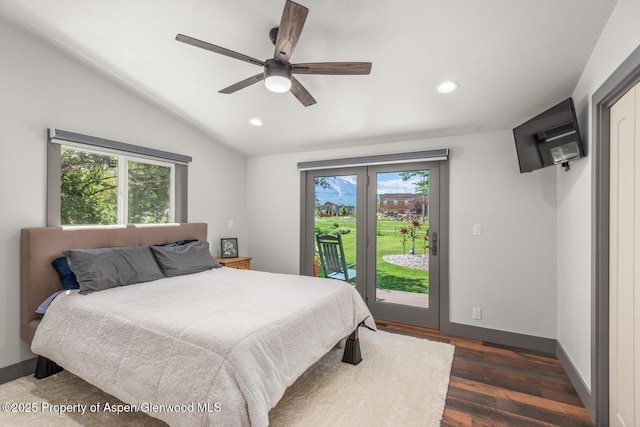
{"points": [[477, 313]]}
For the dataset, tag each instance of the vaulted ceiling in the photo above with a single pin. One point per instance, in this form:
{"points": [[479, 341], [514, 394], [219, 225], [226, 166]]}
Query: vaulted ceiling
{"points": [[512, 58]]}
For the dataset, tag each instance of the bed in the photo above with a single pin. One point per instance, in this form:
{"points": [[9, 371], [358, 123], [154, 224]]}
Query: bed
{"points": [[216, 347]]}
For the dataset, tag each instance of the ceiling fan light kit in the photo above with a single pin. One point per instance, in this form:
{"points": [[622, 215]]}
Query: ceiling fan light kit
{"points": [[277, 76], [278, 72]]}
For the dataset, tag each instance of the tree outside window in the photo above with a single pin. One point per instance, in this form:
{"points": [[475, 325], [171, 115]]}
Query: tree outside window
{"points": [[149, 193]]}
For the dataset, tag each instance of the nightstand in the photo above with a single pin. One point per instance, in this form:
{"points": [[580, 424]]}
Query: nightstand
{"points": [[241, 263]]}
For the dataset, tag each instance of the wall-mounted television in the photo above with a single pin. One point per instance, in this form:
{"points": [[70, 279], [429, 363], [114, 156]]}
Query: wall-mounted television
{"points": [[548, 139]]}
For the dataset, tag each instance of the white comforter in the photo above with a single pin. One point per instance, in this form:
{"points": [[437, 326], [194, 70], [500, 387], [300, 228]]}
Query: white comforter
{"points": [[223, 344]]}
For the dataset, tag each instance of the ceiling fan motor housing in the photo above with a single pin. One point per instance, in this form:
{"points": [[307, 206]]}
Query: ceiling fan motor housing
{"points": [[273, 35]]}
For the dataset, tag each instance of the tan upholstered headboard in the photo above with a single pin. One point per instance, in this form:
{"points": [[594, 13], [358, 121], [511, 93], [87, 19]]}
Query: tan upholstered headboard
{"points": [[39, 246]]}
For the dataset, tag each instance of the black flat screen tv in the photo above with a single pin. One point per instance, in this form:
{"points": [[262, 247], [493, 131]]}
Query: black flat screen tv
{"points": [[548, 139]]}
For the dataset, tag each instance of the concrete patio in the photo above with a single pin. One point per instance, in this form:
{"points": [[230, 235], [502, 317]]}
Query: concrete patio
{"points": [[402, 297]]}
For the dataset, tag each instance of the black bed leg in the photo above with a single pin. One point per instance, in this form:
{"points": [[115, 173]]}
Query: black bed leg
{"points": [[352, 353], [45, 368]]}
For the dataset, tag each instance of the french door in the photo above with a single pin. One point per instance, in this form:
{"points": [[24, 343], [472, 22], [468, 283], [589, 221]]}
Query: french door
{"points": [[388, 219], [402, 254], [334, 204]]}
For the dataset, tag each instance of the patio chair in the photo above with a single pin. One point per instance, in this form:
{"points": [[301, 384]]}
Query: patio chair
{"points": [[332, 259]]}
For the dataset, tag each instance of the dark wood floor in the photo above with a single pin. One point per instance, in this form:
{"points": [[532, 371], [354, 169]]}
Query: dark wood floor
{"points": [[496, 386]]}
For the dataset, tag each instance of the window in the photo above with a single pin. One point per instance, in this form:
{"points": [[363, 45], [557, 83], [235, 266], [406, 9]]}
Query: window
{"points": [[149, 192], [103, 189], [95, 184], [88, 188]]}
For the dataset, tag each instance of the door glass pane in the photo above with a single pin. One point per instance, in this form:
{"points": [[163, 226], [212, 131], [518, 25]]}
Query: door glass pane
{"points": [[149, 193], [335, 216], [402, 242]]}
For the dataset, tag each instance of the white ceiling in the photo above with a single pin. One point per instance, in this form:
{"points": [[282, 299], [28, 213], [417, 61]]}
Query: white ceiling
{"points": [[512, 58]]}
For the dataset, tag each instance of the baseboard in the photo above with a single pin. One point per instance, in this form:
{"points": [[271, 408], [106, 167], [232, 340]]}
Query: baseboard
{"points": [[576, 380], [19, 370], [511, 339]]}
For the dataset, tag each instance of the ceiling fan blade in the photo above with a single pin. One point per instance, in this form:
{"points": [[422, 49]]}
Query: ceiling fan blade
{"points": [[301, 93], [244, 83], [336, 68], [293, 17], [217, 49]]}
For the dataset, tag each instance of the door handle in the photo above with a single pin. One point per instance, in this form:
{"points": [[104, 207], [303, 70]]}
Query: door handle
{"points": [[434, 244]]}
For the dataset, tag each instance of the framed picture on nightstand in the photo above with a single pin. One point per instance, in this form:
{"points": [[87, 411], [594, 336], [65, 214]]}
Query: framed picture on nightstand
{"points": [[229, 247]]}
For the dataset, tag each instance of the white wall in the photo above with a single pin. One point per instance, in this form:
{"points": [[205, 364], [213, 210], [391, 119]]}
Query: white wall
{"points": [[509, 271], [617, 41], [41, 87]]}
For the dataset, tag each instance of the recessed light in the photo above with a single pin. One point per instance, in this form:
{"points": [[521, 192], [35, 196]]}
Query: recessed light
{"points": [[447, 86], [256, 121]]}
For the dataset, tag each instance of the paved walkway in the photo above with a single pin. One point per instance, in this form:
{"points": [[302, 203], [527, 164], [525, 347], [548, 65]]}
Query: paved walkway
{"points": [[402, 297]]}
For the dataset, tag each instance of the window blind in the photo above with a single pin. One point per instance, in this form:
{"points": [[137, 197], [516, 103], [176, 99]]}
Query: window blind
{"points": [[381, 159], [62, 137]]}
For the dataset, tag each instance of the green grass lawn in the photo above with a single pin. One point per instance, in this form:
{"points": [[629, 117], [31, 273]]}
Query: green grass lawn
{"points": [[388, 242]]}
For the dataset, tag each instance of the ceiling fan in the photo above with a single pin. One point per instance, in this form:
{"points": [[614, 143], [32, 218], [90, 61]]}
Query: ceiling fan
{"points": [[278, 72]]}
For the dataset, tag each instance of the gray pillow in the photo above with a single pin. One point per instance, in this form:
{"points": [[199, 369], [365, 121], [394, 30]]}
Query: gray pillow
{"points": [[185, 259], [104, 268]]}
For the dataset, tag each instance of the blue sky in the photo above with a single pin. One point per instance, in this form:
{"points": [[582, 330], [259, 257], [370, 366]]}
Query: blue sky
{"points": [[390, 182], [343, 189]]}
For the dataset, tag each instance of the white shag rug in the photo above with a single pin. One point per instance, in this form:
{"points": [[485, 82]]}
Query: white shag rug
{"points": [[401, 381]]}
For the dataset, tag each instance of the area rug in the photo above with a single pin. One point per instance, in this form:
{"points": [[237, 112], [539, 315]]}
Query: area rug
{"points": [[402, 381]]}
